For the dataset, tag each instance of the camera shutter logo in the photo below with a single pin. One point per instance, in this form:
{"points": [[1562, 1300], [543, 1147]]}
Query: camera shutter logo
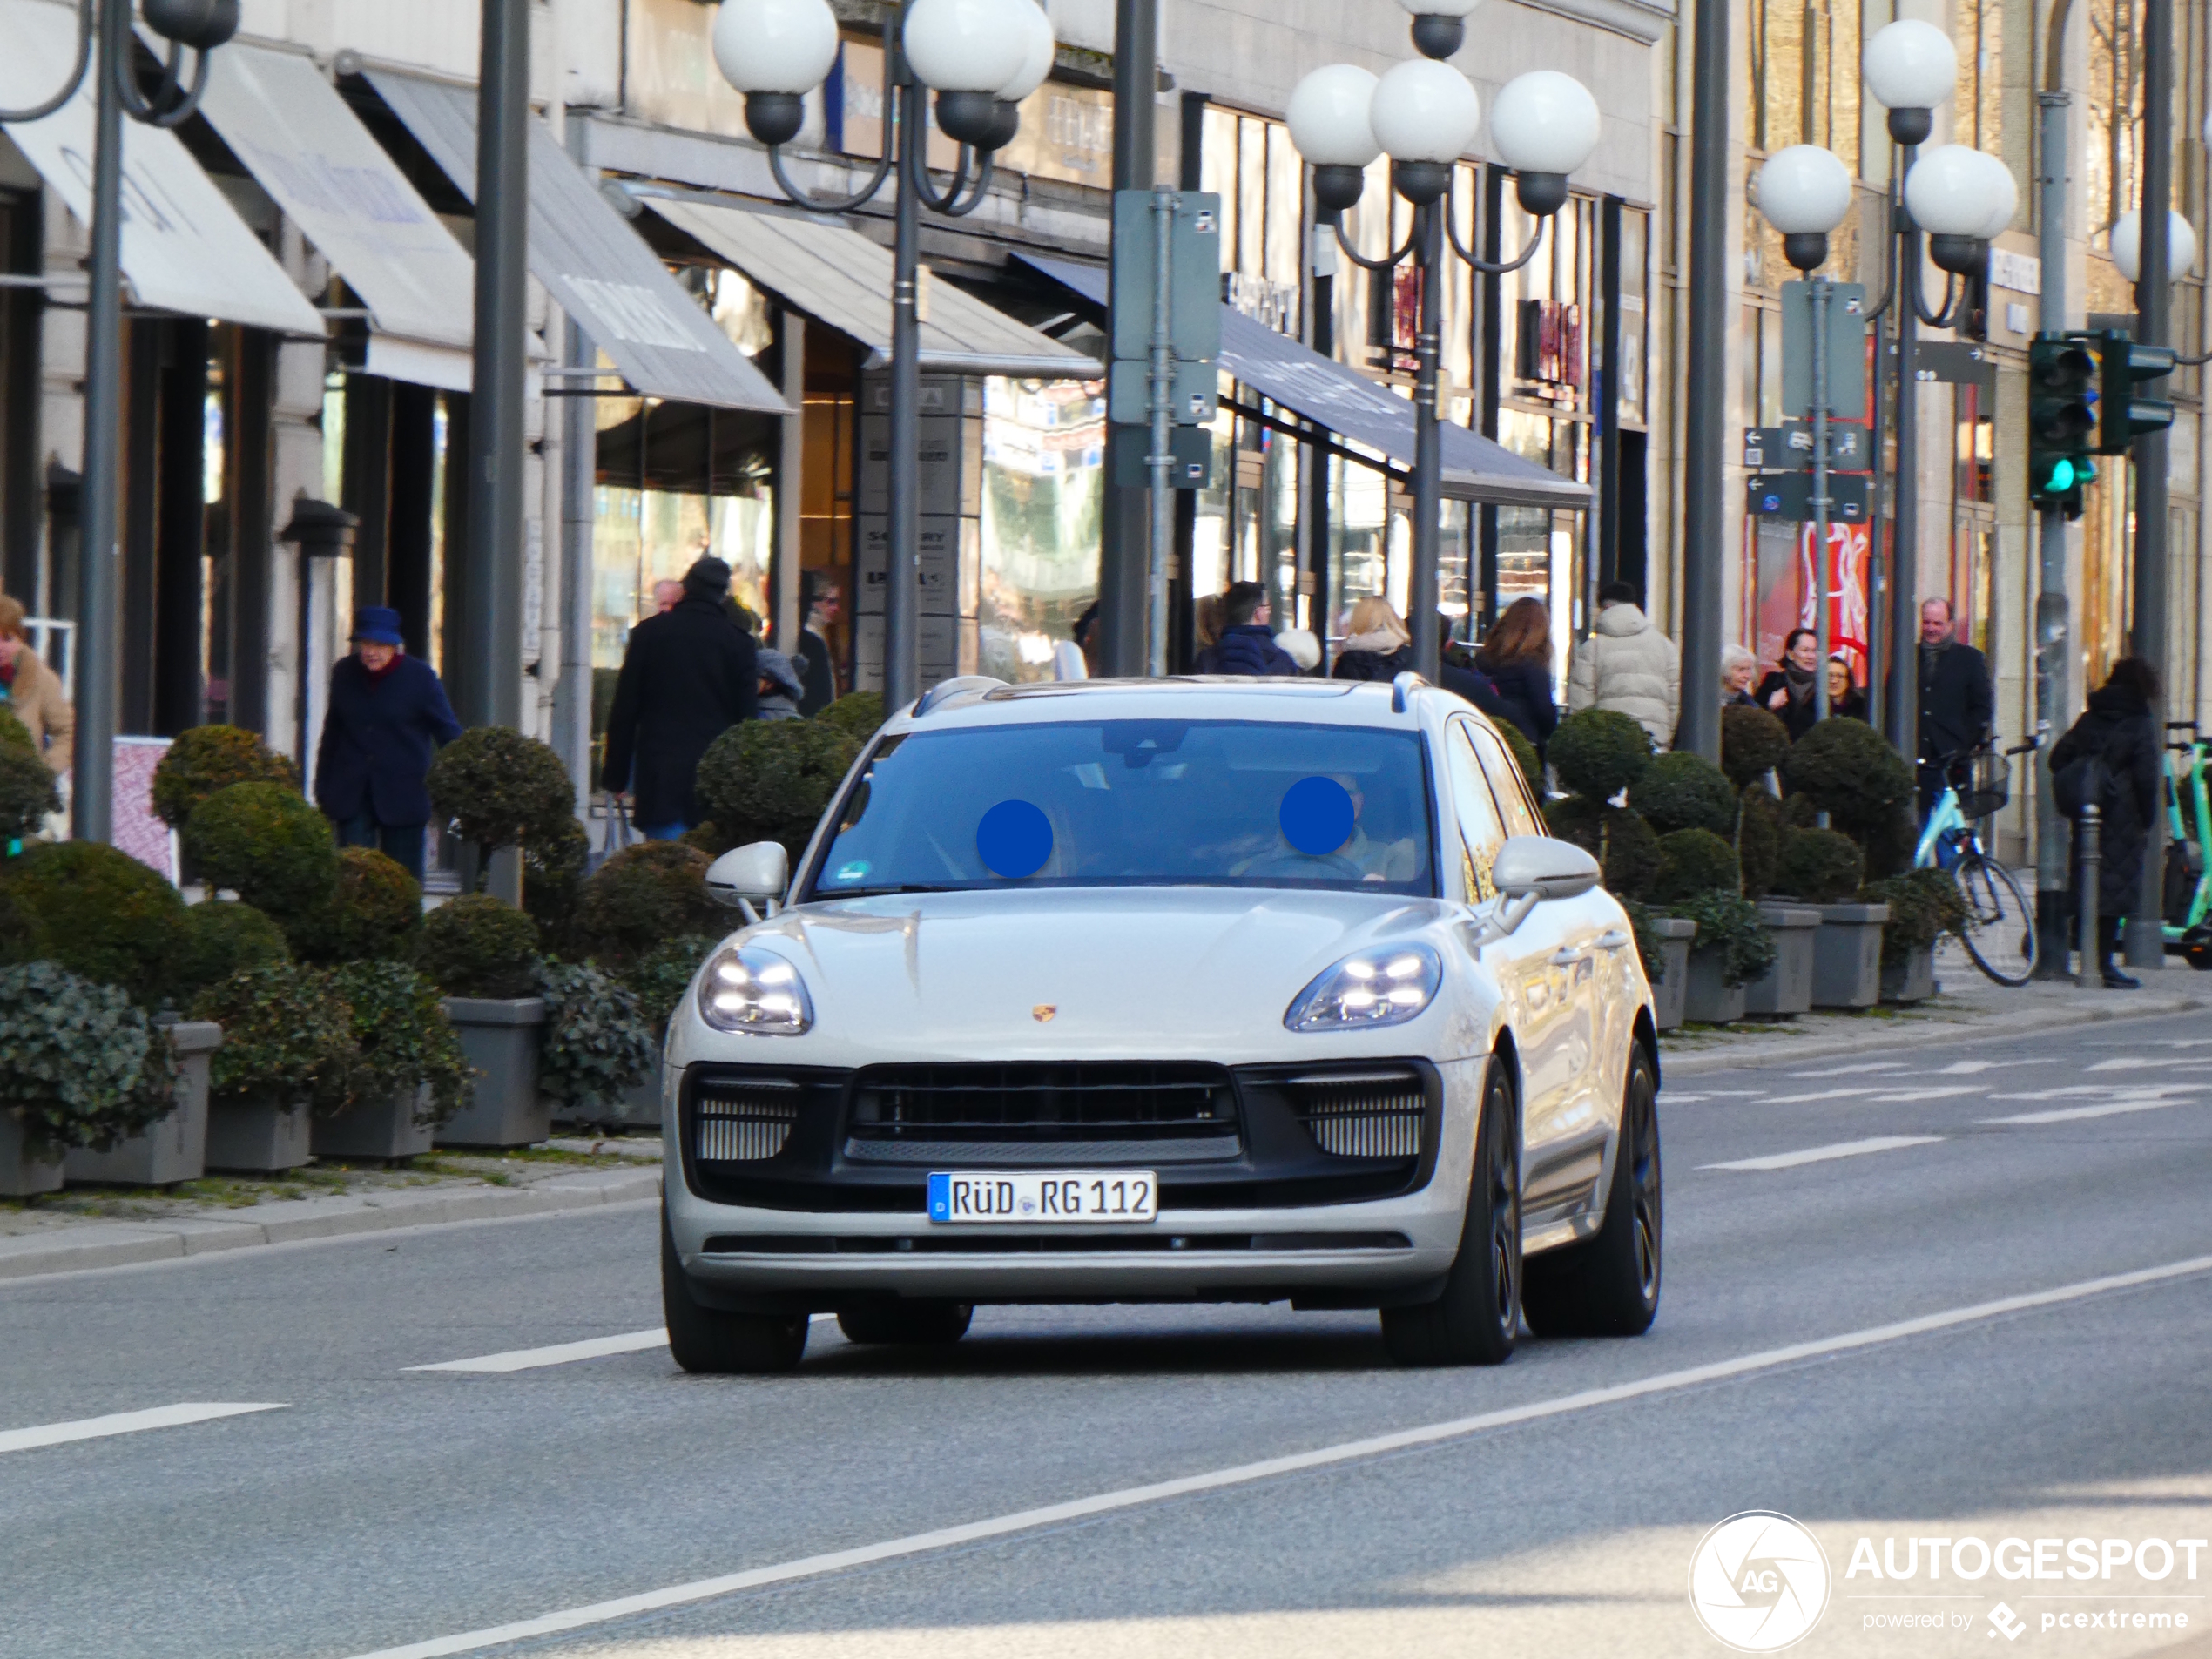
{"points": [[1758, 1581]]}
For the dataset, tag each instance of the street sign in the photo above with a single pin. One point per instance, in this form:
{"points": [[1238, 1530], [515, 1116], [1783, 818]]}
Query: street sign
{"points": [[1788, 447], [1960, 362], [1194, 302], [1129, 393], [1846, 349], [1789, 495], [1127, 448]]}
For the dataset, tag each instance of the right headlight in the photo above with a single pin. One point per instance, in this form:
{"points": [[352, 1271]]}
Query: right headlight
{"points": [[746, 989], [1385, 986]]}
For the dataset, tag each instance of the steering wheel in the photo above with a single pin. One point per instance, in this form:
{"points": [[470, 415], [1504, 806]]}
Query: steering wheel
{"points": [[1300, 864]]}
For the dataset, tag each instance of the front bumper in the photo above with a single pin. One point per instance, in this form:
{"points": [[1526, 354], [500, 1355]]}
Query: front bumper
{"points": [[833, 1233]]}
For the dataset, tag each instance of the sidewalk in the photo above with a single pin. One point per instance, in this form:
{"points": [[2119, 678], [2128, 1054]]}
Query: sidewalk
{"points": [[1968, 1005], [83, 1227]]}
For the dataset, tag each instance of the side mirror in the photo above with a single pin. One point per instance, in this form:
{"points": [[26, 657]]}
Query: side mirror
{"points": [[1538, 868], [755, 873]]}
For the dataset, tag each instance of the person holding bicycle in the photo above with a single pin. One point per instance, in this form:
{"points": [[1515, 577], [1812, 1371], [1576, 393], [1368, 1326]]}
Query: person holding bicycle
{"points": [[1956, 702], [2111, 760]]}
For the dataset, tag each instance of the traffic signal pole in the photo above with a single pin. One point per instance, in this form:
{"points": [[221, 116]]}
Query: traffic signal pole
{"points": [[2054, 626], [2145, 941]]}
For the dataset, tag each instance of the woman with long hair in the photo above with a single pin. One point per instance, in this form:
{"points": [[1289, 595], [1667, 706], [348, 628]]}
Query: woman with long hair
{"points": [[1516, 657], [1788, 691], [1377, 645]]}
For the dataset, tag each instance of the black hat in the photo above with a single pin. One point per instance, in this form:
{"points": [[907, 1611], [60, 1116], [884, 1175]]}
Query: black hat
{"points": [[710, 577]]}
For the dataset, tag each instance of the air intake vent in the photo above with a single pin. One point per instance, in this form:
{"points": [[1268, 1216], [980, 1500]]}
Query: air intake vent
{"points": [[744, 1123], [1375, 1115]]}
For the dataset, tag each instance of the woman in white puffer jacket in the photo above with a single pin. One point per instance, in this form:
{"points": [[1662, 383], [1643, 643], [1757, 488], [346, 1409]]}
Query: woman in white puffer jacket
{"points": [[1629, 666]]}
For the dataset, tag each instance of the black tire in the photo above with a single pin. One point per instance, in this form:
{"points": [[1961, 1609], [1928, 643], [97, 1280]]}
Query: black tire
{"points": [[921, 1324], [2199, 957], [709, 1342], [2001, 923], [1477, 1318], [1608, 1285]]}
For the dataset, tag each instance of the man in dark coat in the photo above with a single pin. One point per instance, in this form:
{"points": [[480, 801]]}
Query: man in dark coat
{"points": [[687, 676], [1956, 703], [387, 716], [2117, 734], [819, 598], [1246, 645]]}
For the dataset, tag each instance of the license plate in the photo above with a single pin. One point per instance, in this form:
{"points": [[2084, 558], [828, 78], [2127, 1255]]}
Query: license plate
{"points": [[1043, 1195]]}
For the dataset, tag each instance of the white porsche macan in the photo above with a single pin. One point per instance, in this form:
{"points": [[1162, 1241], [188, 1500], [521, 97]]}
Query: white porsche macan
{"points": [[1203, 990]]}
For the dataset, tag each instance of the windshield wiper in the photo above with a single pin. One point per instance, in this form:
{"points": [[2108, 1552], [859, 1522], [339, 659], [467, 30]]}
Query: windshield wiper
{"points": [[877, 893]]}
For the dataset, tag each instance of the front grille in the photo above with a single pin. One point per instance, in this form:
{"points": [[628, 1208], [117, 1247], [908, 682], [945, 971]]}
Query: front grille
{"points": [[1362, 1115], [744, 1122], [1083, 1111]]}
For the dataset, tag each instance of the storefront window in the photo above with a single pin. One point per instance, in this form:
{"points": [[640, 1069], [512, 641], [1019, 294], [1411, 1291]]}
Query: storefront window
{"points": [[1044, 492]]}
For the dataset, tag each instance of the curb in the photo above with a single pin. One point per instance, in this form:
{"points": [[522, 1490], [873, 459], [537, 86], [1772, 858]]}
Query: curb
{"points": [[1759, 1051], [72, 1249]]}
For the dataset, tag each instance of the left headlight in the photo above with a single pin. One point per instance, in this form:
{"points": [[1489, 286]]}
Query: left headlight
{"points": [[1386, 986], [748, 989]]}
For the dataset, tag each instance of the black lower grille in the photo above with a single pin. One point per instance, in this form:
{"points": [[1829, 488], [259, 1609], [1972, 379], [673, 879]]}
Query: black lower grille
{"points": [[1362, 1115], [1042, 1244], [1163, 1112], [744, 1122]]}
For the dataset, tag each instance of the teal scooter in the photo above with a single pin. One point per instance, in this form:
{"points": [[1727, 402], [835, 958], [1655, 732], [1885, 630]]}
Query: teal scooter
{"points": [[2189, 853]]}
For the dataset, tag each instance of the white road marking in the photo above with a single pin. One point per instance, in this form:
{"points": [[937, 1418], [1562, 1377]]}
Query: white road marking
{"points": [[1823, 1093], [2075, 1114], [1904, 1095], [1975, 1068], [1845, 1071], [560, 1354], [94, 1428], [705, 1589], [1822, 1154], [2134, 1063], [2109, 1091]]}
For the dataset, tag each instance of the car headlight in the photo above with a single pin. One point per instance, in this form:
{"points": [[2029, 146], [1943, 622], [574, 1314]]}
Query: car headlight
{"points": [[748, 989], [1383, 987]]}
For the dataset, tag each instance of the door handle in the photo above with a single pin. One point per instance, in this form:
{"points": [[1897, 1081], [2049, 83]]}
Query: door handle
{"points": [[1567, 957], [1613, 941]]}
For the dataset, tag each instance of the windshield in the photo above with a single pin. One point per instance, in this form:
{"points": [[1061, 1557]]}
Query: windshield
{"points": [[1136, 803]]}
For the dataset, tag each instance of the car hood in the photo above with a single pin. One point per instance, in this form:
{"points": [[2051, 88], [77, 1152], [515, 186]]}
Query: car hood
{"points": [[1096, 972]]}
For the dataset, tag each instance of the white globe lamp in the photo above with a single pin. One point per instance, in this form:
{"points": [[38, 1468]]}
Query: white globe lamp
{"points": [[965, 51], [1910, 67], [1544, 126], [2127, 246], [1439, 26], [1425, 114], [1328, 119], [1805, 191], [1951, 195], [775, 52]]}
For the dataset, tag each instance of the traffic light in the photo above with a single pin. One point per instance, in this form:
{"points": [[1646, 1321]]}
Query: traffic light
{"points": [[2061, 421], [2121, 416]]}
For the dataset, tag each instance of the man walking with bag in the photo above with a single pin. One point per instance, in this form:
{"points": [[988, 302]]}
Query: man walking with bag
{"points": [[2110, 760]]}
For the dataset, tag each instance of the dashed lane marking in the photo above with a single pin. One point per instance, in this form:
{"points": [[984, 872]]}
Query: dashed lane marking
{"points": [[96, 1428], [1824, 1153]]}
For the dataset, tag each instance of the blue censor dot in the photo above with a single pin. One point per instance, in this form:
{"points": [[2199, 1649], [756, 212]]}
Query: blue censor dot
{"points": [[1316, 816], [1013, 840]]}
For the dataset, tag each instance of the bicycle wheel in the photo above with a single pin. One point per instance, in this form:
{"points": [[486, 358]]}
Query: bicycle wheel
{"points": [[2000, 924]]}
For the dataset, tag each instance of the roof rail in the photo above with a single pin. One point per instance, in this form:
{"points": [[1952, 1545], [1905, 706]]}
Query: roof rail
{"points": [[945, 689], [1400, 686]]}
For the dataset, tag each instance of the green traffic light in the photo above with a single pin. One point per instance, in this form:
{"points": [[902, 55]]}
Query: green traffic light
{"points": [[2061, 478]]}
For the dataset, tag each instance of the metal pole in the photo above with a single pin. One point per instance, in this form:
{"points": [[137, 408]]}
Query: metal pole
{"points": [[1818, 295], [2088, 863], [492, 616], [91, 801], [1123, 564], [1428, 450], [2146, 916], [1705, 395], [1904, 706], [579, 466], [902, 552], [1162, 459], [2052, 625]]}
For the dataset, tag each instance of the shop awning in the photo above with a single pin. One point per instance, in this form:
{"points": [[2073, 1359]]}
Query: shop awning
{"points": [[597, 269], [293, 131], [1476, 469], [838, 277], [185, 248]]}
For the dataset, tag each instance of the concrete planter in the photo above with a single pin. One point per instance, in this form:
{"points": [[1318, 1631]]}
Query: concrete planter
{"points": [[1786, 987], [23, 1174], [1707, 1000], [1914, 980], [175, 1148], [387, 1128], [257, 1137], [1668, 996], [1847, 956], [500, 1038]]}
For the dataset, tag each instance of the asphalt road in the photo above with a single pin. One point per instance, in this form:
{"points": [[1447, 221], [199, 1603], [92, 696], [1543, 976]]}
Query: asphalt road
{"points": [[1826, 1348]]}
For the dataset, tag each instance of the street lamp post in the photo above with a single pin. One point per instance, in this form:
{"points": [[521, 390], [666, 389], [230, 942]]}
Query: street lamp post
{"points": [[105, 47], [981, 58], [1425, 115]]}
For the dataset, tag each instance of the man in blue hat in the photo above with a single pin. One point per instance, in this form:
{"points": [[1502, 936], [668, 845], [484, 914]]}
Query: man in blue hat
{"points": [[387, 716]]}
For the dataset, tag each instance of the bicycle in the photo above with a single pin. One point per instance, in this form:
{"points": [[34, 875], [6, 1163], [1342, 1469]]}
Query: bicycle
{"points": [[2189, 853], [2001, 923]]}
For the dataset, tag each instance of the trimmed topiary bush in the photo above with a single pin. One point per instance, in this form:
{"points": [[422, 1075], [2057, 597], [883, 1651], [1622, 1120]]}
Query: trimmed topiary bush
{"points": [[27, 792], [81, 1065], [596, 1041], [501, 788], [1650, 948], [287, 1035], [14, 734], [1599, 754], [477, 946], [660, 978], [1692, 861], [1758, 841], [267, 844], [770, 780], [1890, 841], [220, 938], [1682, 791], [1848, 769], [401, 1039], [1820, 866], [1729, 924], [857, 714], [644, 895], [1620, 841], [374, 912], [1524, 756], [553, 865], [97, 912], [208, 758], [1924, 906], [1753, 742]]}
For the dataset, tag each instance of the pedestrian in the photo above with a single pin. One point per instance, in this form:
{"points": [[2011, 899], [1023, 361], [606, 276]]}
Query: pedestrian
{"points": [[1516, 658], [1301, 647], [2111, 759], [1845, 700], [818, 596], [1205, 623], [666, 592], [33, 692], [686, 678], [780, 688], [1247, 646], [1376, 643], [1956, 703], [386, 716], [1788, 692], [1739, 668], [1629, 666]]}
